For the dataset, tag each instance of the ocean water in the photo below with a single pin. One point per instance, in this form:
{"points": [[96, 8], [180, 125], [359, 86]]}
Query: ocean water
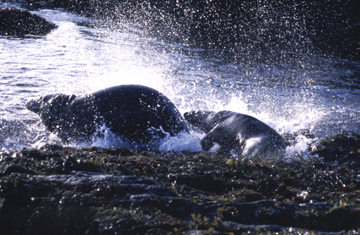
{"points": [[305, 96]]}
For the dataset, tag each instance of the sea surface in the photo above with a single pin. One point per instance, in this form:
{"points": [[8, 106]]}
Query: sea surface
{"points": [[305, 96]]}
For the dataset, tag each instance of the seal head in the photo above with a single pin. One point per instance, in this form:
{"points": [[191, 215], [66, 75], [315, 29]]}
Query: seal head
{"points": [[246, 135]]}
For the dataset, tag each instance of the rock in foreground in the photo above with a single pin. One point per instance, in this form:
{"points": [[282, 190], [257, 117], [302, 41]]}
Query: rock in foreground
{"points": [[15, 22], [58, 190]]}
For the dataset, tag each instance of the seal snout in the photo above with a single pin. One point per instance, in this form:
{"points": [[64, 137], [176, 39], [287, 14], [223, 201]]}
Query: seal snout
{"points": [[34, 105], [187, 115], [199, 120], [192, 116]]}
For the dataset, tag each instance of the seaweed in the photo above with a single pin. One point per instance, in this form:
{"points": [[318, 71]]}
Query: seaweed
{"points": [[59, 190]]}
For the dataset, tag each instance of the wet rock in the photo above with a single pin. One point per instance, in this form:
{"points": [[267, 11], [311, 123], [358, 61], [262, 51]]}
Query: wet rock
{"points": [[341, 148], [15, 22], [17, 169], [207, 182], [107, 191]]}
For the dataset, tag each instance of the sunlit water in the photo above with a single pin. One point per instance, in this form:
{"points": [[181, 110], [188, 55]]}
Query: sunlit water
{"points": [[293, 93]]}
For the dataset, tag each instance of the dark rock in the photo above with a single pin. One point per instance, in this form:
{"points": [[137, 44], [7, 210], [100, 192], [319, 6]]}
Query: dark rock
{"points": [[341, 148], [85, 191], [15, 22], [52, 148], [206, 182], [17, 169], [249, 26]]}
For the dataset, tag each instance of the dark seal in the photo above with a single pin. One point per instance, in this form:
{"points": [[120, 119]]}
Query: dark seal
{"points": [[135, 112], [246, 135]]}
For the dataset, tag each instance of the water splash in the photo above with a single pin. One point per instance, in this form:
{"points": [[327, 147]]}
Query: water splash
{"points": [[291, 92]]}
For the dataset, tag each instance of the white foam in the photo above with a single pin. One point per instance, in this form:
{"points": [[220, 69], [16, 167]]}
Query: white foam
{"points": [[103, 138], [189, 142], [300, 147]]}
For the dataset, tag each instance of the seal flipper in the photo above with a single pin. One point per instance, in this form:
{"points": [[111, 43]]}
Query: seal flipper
{"points": [[240, 148], [207, 142]]}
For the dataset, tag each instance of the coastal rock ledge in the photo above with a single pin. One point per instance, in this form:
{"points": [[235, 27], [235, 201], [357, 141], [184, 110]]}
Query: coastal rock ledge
{"points": [[60, 190], [15, 22]]}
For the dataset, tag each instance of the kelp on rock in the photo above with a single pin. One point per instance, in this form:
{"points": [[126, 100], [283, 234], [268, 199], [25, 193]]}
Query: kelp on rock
{"points": [[105, 191]]}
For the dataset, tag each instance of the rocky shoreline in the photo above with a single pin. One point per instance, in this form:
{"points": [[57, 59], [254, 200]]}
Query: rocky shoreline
{"points": [[22, 23], [253, 27], [58, 190]]}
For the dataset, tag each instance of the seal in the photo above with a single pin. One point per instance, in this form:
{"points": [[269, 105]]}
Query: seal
{"points": [[246, 135], [138, 113]]}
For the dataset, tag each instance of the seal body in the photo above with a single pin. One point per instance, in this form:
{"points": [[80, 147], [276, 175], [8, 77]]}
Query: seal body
{"points": [[135, 112], [234, 131]]}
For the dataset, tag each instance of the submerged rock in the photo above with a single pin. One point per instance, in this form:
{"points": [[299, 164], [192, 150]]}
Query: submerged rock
{"points": [[15, 22]]}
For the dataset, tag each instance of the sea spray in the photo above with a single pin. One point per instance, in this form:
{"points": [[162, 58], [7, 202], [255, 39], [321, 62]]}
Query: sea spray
{"points": [[290, 92], [187, 142]]}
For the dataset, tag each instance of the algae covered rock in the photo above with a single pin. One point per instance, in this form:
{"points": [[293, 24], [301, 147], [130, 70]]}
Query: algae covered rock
{"points": [[341, 148], [59, 190]]}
